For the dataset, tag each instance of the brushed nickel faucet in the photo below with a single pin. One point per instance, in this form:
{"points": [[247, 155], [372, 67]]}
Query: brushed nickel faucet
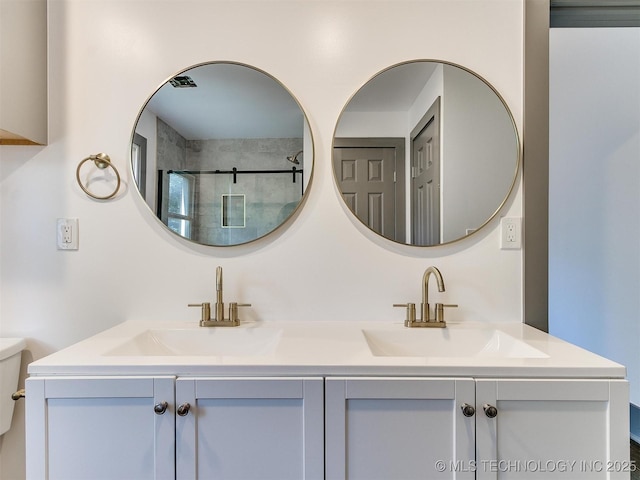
{"points": [[218, 319], [426, 319]]}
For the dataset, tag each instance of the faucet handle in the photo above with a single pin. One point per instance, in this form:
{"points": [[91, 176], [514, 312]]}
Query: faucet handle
{"points": [[233, 311], [411, 313], [440, 310], [206, 310]]}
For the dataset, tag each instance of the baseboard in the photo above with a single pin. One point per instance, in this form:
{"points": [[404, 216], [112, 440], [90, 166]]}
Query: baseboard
{"points": [[634, 416]]}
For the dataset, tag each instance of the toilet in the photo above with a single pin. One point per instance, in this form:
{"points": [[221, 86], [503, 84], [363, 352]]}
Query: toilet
{"points": [[10, 357]]}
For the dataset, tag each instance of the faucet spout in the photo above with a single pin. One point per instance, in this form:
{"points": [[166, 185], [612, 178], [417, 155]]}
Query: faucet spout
{"points": [[426, 319], [426, 316], [219, 312], [219, 279]]}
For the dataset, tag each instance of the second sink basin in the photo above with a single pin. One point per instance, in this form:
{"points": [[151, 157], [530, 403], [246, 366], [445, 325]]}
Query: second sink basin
{"points": [[448, 342], [221, 341]]}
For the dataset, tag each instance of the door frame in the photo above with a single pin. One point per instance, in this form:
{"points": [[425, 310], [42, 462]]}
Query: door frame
{"points": [[435, 113]]}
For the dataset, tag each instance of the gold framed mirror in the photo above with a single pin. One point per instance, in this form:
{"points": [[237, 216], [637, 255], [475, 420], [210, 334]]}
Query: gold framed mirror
{"points": [[425, 153], [222, 154]]}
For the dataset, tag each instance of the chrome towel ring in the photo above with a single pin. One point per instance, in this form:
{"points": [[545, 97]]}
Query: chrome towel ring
{"points": [[102, 161]]}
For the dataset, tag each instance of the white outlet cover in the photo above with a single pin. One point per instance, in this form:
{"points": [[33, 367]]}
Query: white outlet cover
{"points": [[67, 234], [511, 233]]}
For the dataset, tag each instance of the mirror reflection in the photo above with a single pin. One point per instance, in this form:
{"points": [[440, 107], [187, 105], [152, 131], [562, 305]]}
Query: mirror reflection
{"points": [[222, 154], [425, 153]]}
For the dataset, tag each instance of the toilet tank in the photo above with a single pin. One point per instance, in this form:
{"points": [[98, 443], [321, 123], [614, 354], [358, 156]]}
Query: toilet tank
{"points": [[10, 358]]}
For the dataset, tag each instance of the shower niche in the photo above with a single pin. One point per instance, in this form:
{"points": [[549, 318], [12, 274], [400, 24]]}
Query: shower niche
{"points": [[222, 154]]}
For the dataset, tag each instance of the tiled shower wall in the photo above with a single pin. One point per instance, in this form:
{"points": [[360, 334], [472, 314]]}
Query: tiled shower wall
{"points": [[264, 200], [267, 199]]}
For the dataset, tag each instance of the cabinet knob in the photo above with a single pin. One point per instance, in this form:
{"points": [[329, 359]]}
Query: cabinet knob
{"points": [[183, 409], [160, 408], [489, 410], [468, 410]]}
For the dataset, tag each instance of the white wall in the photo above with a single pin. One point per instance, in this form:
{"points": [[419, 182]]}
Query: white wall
{"points": [[478, 150], [107, 56], [594, 193]]}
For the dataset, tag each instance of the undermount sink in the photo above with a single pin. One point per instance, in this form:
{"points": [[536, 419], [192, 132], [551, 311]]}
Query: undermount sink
{"points": [[448, 342], [221, 341]]}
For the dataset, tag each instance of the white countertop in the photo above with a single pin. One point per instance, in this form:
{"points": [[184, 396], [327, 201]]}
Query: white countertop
{"points": [[329, 348]]}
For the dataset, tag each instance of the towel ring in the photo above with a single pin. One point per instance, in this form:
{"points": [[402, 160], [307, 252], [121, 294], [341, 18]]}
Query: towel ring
{"points": [[101, 161]]}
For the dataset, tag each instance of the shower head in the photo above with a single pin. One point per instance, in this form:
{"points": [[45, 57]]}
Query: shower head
{"points": [[294, 158]]}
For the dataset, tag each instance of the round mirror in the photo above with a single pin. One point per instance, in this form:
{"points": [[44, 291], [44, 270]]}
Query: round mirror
{"points": [[425, 153], [222, 153]]}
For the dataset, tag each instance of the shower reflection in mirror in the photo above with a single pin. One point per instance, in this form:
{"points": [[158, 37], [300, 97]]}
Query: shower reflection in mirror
{"points": [[230, 156], [214, 203], [177, 211]]}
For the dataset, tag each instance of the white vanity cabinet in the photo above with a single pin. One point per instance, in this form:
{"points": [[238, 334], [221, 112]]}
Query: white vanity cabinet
{"points": [[411, 428], [354, 427], [561, 428], [250, 428], [100, 428], [322, 405], [392, 428], [163, 428]]}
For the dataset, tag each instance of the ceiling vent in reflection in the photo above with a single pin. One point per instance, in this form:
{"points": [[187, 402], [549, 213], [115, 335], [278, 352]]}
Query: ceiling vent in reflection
{"points": [[182, 81]]}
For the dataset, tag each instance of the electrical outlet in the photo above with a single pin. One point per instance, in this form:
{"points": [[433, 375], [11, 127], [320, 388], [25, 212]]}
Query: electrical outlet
{"points": [[67, 234], [511, 233]]}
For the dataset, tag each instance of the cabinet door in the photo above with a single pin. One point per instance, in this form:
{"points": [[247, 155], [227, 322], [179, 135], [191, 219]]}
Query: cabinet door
{"points": [[568, 429], [399, 428], [99, 428], [250, 428]]}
